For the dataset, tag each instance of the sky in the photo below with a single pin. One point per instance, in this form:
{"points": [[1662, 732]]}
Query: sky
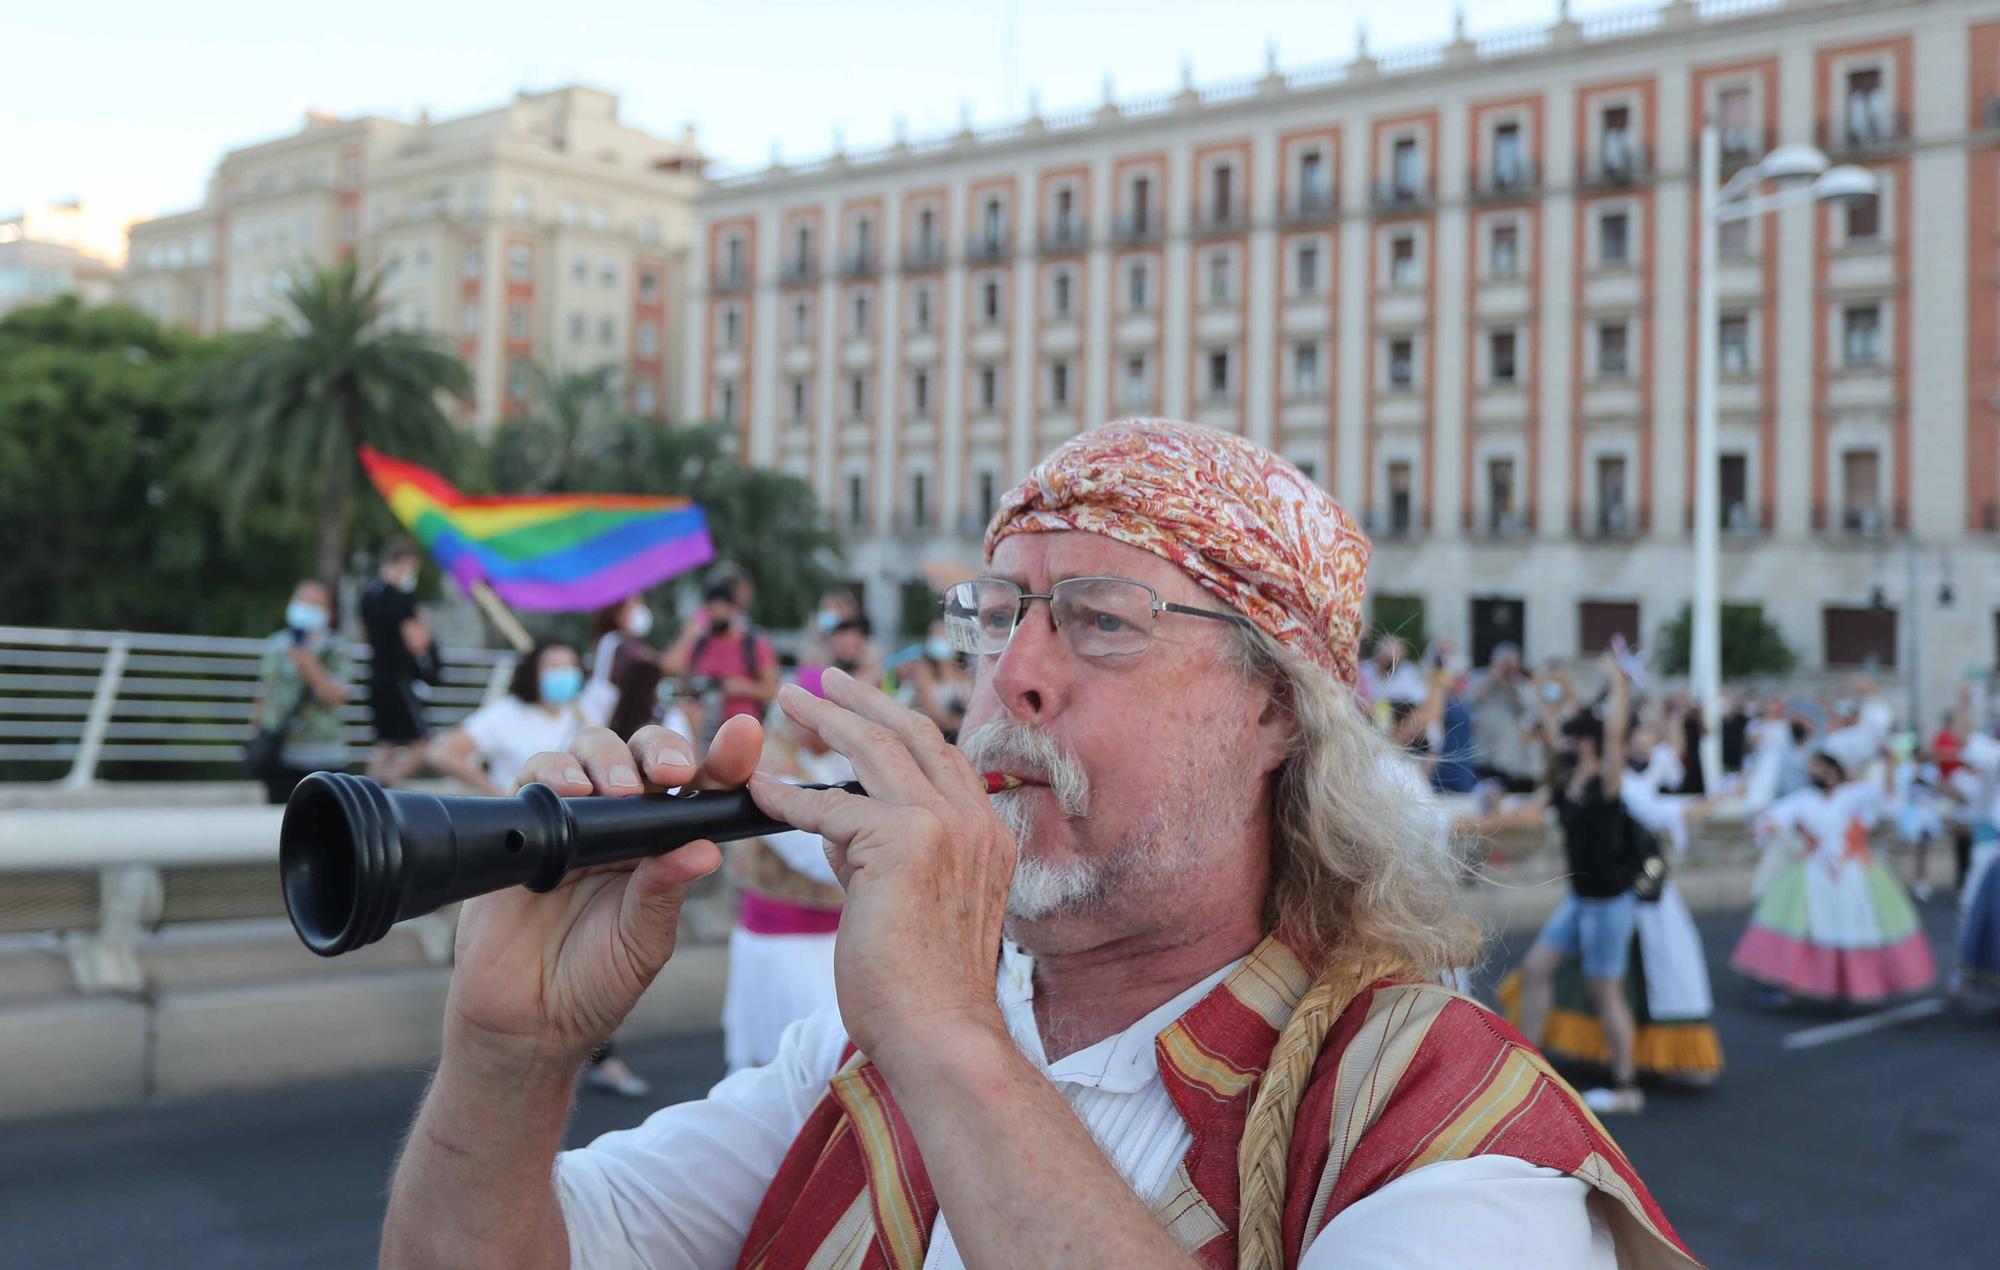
{"points": [[130, 103]]}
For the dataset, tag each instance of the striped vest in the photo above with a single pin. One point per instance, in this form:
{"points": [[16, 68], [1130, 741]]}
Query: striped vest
{"points": [[1410, 1074]]}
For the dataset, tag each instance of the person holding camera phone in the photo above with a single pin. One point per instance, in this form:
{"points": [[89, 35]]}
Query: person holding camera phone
{"points": [[721, 645], [301, 686]]}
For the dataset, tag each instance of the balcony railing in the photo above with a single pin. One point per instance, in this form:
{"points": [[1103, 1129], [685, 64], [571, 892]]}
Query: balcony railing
{"points": [[1740, 148], [799, 271], [860, 263], [1062, 237], [987, 248], [730, 280], [1131, 231], [1616, 162], [1395, 523], [1312, 205], [923, 255], [1210, 222], [1391, 197], [1864, 130], [1507, 182]]}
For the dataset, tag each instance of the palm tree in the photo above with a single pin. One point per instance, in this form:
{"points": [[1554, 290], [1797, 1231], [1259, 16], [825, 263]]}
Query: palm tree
{"points": [[572, 420], [295, 400]]}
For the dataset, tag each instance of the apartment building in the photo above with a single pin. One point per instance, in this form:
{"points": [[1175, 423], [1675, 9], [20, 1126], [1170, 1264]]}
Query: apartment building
{"points": [[1455, 284], [544, 230]]}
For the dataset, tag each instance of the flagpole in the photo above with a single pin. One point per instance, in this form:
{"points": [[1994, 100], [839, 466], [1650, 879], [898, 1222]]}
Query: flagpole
{"points": [[501, 616]]}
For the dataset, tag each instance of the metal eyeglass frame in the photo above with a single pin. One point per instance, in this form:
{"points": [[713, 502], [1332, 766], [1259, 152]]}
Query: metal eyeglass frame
{"points": [[1157, 606]]}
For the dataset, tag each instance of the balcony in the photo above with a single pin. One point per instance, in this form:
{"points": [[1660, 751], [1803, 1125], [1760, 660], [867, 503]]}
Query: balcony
{"points": [[799, 271], [860, 263], [1862, 522], [986, 249], [1391, 198], [1134, 231], [1503, 524], [1063, 237], [1619, 161], [1506, 183], [1741, 147], [1312, 205], [923, 256], [1613, 522], [730, 281], [1396, 523], [1865, 128], [1217, 222]]}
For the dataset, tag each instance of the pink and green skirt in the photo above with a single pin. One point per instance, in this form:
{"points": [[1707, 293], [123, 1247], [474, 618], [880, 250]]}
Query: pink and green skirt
{"points": [[1840, 930]]}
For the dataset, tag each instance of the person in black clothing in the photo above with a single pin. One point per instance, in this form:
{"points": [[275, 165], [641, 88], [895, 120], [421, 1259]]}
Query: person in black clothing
{"points": [[399, 637]]}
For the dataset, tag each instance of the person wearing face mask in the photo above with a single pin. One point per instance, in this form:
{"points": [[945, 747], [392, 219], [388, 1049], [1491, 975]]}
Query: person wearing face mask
{"points": [[301, 686], [401, 652], [540, 709], [722, 646], [943, 687], [626, 671], [1834, 924]]}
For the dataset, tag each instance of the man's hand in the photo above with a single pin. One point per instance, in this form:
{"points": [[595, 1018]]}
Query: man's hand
{"points": [[925, 863]]}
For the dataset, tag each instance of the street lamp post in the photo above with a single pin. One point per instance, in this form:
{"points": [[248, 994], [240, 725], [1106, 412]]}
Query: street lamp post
{"points": [[1801, 175]]}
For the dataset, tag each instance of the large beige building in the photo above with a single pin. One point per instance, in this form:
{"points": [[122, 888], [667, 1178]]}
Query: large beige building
{"points": [[545, 230], [1456, 285], [57, 249]]}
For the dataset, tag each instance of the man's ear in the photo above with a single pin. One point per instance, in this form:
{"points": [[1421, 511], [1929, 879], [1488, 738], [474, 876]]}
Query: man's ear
{"points": [[1277, 729]]}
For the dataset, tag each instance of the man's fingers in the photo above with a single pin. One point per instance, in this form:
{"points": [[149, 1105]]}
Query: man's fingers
{"points": [[559, 771], [833, 814], [882, 762], [607, 761], [942, 762], [732, 756], [665, 758]]}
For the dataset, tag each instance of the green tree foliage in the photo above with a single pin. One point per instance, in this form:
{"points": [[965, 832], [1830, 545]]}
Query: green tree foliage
{"points": [[293, 403], [1750, 645], [106, 522], [1401, 616]]}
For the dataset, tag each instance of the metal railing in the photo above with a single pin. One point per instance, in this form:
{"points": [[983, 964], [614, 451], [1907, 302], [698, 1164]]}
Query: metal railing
{"points": [[73, 701]]}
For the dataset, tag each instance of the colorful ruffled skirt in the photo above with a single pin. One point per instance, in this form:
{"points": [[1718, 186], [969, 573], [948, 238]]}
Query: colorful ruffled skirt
{"points": [[1836, 926], [1979, 916]]}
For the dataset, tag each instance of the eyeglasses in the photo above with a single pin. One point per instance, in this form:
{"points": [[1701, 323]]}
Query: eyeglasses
{"points": [[1097, 617]]}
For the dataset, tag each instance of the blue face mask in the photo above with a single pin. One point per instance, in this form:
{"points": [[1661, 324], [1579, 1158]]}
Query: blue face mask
{"points": [[302, 616], [827, 621], [560, 684], [938, 649]]}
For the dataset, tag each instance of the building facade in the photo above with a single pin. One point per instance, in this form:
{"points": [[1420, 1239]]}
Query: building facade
{"points": [[542, 231], [58, 249], [1456, 285]]}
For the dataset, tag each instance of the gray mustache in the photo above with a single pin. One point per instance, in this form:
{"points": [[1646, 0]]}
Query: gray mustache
{"points": [[1030, 752]]}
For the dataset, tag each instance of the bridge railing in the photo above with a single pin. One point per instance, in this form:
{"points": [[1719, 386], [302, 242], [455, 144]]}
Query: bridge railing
{"points": [[73, 701]]}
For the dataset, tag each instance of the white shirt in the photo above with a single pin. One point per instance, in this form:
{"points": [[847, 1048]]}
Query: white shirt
{"points": [[509, 732], [682, 1188]]}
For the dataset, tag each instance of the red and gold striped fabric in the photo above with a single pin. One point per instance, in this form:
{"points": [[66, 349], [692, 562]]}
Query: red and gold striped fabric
{"points": [[1410, 1075]]}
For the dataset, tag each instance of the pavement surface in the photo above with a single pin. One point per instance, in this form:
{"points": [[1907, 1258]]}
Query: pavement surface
{"points": [[1880, 1149]]}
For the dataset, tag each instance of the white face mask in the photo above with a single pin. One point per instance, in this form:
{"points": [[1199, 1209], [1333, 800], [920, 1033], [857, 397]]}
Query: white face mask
{"points": [[408, 584], [303, 615], [639, 622]]}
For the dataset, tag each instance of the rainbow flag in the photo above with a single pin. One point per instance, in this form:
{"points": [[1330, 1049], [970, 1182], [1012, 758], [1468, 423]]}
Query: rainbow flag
{"points": [[545, 553]]}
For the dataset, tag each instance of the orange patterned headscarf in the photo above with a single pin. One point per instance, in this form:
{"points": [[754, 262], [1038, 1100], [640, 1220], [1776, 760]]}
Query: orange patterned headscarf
{"points": [[1245, 524]]}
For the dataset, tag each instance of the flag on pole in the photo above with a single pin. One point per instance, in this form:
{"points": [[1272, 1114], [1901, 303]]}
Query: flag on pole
{"points": [[545, 553]]}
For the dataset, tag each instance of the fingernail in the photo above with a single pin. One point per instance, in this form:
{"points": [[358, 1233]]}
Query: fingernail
{"points": [[623, 777], [573, 775], [833, 671]]}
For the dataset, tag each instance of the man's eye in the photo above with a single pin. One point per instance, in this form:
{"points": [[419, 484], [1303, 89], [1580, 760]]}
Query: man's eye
{"points": [[1105, 623]]}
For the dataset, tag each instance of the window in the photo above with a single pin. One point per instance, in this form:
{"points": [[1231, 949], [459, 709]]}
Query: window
{"points": [[607, 332], [729, 403], [1399, 498], [1142, 206], [801, 322], [1864, 218], [732, 259], [517, 322], [1500, 350], [1859, 636], [579, 327], [1221, 187], [857, 395], [522, 205], [1138, 288], [1403, 261], [994, 229], [860, 323], [600, 217], [857, 510], [1305, 270], [1732, 117], [989, 388], [1500, 495], [1732, 237], [1612, 341], [920, 393], [468, 320], [1065, 217], [1132, 390], [1402, 362], [921, 308], [732, 328], [1504, 257], [1221, 278], [1510, 164], [649, 340], [649, 229], [1867, 107], [517, 378], [1617, 153], [864, 239], [1406, 179], [920, 503], [1614, 239], [1315, 187], [1305, 370], [989, 301], [607, 276], [1861, 494], [1218, 374], [649, 286], [1059, 287], [1600, 622], [1861, 335], [579, 270], [1732, 339], [1734, 478], [1059, 383], [927, 231], [1612, 517], [643, 397], [802, 250], [520, 262], [988, 499], [470, 267], [798, 394]]}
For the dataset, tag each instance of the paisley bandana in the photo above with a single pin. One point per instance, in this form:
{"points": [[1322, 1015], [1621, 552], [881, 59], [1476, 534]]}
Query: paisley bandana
{"points": [[1245, 524]]}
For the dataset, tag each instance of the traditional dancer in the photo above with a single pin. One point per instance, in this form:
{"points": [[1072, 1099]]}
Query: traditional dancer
{"points": [[1835, 923], [1978, 781]]}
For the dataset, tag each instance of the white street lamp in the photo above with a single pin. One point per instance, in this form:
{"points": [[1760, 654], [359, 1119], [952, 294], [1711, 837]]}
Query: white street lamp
{"points": [[1800, 175]]}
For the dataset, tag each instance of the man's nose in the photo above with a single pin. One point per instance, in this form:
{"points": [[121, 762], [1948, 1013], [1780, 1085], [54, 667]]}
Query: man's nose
{"points": [[1031, 674]]}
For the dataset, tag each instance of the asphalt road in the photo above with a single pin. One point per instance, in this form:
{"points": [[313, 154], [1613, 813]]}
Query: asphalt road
{"points": [[1874, 1151]]}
